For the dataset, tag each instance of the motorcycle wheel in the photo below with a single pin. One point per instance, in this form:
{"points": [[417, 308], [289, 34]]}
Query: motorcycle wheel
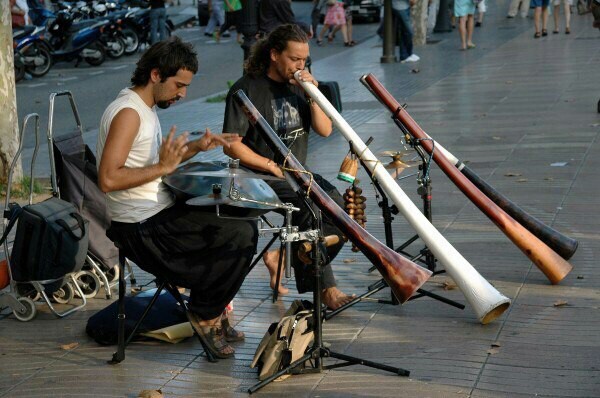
{"points": [[37, 50], [19, 71], [119, 49], [96, 61], [132, 41]]}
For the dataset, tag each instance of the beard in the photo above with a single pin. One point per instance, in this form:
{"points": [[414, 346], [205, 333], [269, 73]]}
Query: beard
{"points": [[164, 104]]}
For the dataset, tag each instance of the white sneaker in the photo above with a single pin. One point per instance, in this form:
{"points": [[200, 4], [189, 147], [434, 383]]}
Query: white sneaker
{"points": [[413, 58]]}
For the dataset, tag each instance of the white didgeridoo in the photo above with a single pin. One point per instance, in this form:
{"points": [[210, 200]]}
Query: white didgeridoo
{"points": [[487, 302]]}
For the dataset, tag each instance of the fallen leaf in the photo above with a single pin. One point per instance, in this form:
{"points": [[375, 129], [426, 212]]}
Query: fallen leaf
{"points": [[512, 174], [561, 303], [549, 178], [349, 260], [151, 394], [509, 82], [580, 277], [415, 70], [493, 351], [69, 346], [496, 138], [496, 344], [449, 285], [522, 180]]}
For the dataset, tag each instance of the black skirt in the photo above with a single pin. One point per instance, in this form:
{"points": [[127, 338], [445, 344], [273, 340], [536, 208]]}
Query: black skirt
{"points": [[191, 247]]}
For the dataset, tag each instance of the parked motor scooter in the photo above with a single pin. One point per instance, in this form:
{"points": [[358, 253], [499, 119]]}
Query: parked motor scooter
{"points": [[70, 40], [32, 53]]}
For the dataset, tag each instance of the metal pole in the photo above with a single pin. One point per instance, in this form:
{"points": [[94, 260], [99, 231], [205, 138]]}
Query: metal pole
{"points": [[442, 22], [389, 42]]}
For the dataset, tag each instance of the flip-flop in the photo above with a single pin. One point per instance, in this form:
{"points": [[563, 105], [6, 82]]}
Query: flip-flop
{"points": [[231, 335], [211, 336]]}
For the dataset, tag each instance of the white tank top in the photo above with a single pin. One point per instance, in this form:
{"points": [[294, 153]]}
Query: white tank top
{"points": [[141, 202]]}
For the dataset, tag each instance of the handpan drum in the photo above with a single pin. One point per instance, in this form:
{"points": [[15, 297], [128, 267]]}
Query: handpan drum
{"points": [[254, 196]]}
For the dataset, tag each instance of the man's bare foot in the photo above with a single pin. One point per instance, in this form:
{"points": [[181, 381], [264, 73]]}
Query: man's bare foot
{"points": [[271, 260], [334, 298]]}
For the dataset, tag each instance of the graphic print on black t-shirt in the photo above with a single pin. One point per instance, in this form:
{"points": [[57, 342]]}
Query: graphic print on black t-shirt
{"points": [[287, 121]]}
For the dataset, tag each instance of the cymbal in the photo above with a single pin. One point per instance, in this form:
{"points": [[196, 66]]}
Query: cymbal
{"points": [[399, 164], [402, 153], [230, 173], [221, 199]]}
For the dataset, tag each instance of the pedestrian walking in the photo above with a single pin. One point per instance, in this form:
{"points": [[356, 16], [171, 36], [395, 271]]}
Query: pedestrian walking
{"points": [[516, 6], [540, 17], [233, 16], [217, 16], [158, 21], [336, 18], [567, 8], [404, 32], [464, 10]]}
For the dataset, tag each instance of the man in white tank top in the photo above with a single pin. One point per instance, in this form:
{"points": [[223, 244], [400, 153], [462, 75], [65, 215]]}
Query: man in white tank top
{"points": [[185, 245]]}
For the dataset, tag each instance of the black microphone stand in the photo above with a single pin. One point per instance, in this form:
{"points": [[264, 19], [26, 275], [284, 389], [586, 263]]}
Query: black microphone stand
{"points": [[318, 351], [425, 256]]}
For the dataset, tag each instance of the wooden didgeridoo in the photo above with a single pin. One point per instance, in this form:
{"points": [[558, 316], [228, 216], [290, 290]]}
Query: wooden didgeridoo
{"points": [[548, 261], [560, 243], [402, 275]]}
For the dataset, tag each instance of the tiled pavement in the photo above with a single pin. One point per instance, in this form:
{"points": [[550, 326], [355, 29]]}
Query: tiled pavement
{"points": [[512, 108]]}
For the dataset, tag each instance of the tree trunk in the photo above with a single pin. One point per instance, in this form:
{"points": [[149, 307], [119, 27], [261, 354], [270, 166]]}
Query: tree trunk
{"points": [[9, 123], [419, 20]]}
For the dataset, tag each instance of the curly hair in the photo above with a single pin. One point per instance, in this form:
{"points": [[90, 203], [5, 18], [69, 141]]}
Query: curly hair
{"points": [[260, 54], [168, 56]]}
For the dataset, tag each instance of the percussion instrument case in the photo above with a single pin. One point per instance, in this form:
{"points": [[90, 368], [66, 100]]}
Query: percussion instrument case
{"points": [[165, 312], [285, 341], [51, 240], [331, 91]]}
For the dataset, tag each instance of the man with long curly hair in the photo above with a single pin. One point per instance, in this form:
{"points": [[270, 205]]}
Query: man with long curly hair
{"points": [[269, 83]]}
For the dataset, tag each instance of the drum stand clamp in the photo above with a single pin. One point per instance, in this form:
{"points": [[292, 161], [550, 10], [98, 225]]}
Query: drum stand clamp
{"points": [[287, 234]]}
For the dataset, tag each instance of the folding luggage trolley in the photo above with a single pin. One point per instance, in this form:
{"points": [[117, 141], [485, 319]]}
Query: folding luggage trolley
{"points": [[74, 174], [27, 284]]}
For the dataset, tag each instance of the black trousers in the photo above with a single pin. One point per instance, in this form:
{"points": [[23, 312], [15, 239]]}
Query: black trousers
{"points": [[303, 220], [193, 248]]}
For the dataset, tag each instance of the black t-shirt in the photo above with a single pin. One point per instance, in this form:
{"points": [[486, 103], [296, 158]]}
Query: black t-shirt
{"points": [[283, 106], [157, 4]]}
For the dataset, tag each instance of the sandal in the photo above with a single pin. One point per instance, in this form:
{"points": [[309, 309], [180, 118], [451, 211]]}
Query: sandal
{"points": [[567, 31], [544, 32], [348, 44], [555, 31], [211, 337], [330, 38], [229, 333], [537, 35], [319, 43]]}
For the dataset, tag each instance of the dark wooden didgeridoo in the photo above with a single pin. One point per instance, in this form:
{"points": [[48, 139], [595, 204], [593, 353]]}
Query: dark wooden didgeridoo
{"points": [[402, 275], [560, 243], [548, 261]]}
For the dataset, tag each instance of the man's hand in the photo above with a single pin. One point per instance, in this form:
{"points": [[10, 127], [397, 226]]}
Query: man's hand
{"points": [[172, 151], [275, 169], [305, 76], [210, 141]]}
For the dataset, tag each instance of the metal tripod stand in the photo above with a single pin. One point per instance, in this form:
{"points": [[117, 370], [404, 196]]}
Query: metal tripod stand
{"points": [[425, 256], [318, 351]]}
